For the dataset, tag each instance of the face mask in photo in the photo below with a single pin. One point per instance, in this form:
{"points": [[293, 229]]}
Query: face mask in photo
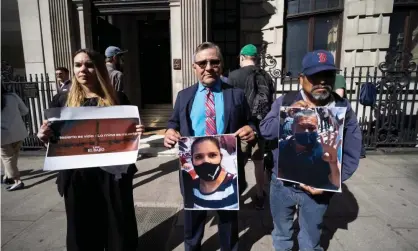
{"points": [[208, 171], [307, 139]]}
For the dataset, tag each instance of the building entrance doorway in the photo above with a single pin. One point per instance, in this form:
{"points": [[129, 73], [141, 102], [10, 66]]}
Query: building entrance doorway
{"points": [[155, 59]]}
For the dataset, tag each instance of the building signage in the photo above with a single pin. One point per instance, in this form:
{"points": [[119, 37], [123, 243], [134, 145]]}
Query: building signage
{"points": [[177, 64]]}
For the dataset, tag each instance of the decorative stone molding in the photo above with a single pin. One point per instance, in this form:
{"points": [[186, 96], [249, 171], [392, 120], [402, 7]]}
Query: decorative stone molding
{"points": [[84, 19], [191, 24], [62, 43]]}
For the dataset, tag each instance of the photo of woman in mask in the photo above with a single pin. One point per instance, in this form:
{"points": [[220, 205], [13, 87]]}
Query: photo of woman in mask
{"points": [[310, 155], [208, 184]]}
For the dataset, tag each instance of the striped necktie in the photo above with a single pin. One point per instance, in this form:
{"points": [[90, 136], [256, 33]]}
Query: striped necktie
{"points": [[210, 113]]}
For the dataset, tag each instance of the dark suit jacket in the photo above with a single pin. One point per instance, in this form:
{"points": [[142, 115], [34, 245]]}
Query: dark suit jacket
{"points": [[236, 114]]}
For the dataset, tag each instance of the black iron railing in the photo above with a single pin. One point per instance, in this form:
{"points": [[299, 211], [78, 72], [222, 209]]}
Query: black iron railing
{"points": [[393, 120], [36, 92]]}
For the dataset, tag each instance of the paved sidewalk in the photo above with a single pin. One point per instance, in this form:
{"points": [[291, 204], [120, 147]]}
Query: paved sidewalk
{"points": [[377, 211]]}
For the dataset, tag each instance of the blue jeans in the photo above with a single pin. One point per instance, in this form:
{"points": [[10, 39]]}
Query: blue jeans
{"points": [[283, 201]]}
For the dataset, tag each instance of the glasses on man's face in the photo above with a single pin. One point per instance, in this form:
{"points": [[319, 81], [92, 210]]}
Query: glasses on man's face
{"points": [[213, 62]]}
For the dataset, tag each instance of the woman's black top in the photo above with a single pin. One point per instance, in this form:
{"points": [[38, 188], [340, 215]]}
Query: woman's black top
{"points": [[64, 176]]}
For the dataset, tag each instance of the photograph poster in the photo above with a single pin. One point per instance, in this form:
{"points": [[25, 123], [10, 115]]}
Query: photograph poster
{"points": [[209, 172], [93, 136], [310, 146]]}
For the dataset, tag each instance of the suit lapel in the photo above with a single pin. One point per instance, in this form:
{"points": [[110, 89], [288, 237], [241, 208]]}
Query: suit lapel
{"points": [[190, 97], [227, 93]]}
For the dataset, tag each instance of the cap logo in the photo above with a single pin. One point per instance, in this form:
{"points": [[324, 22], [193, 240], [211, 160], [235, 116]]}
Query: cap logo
{"points": [[322, 57]]}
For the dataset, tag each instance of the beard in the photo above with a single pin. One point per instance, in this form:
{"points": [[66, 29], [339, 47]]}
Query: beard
{"points": [[322, 96]]}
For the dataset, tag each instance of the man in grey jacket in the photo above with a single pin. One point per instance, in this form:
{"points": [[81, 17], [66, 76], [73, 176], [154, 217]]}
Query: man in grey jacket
{"points": [[114, 65]]}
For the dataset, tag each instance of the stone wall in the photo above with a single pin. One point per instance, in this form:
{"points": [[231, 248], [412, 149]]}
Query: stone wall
{"points": [[11, 37], [262, 20], [366, 32], [36, 36]]}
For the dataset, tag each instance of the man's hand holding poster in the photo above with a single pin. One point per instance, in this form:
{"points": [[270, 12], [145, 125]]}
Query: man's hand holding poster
{"points": [[94, 136], [209, 172], [310, 147]]}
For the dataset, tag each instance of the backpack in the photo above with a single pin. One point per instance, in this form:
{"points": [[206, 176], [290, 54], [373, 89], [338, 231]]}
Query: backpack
{"points": [[368, 94], [259, 92]]}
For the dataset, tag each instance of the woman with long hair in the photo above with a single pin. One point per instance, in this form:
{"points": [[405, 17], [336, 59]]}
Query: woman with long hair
{"points": [[13, 132], [98, 201]]}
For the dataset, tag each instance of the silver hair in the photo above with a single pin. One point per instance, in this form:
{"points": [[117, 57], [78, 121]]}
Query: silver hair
{"points": [[208, 45], [304, 113]]}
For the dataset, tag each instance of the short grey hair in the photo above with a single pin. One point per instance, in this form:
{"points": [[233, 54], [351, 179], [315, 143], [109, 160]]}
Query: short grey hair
{"points": [[208, 45], [303, 113]]}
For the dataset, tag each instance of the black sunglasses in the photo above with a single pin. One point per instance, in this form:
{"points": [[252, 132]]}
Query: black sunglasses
{"points": [[212, 62]]}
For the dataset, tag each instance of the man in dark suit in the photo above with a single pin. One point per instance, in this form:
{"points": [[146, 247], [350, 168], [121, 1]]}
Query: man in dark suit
{"points": [[210, 107]]}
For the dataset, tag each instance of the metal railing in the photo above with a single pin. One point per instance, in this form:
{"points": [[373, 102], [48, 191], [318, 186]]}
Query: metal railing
{"points": [[36, 92], [393, 120]]}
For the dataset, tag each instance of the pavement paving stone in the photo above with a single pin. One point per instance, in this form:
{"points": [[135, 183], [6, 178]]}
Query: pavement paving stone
{"points": [[10, 229], [371, 233], [45, 234], [385, 203], [410, 235]]}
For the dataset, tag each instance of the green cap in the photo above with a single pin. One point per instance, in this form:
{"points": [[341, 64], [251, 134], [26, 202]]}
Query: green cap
{"points": [[249, 50]]}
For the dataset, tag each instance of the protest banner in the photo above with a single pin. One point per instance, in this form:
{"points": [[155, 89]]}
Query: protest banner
{"points": [[93, 136], [209, 172], [310, 146]]}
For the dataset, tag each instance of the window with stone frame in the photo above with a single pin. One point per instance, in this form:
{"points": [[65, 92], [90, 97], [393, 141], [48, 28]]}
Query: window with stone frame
{"points": [[311, 25], [404, 23], [224, 30]]}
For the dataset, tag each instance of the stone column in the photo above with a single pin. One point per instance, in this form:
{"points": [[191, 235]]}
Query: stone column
{"points": [[176, 47], [366, 32], [62, 42], [84, 19], [191, 33], [36, 36]]}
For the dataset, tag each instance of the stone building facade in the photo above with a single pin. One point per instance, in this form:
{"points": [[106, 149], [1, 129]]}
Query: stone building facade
{"points": [[358, 32]]}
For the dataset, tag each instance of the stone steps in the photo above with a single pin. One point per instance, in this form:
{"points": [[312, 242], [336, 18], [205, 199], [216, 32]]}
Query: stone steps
{"points": [[153, 146], [156, 115]]}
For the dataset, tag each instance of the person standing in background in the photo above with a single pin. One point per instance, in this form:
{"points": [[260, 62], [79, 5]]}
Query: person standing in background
{"points": [[13, 132], [114, 65], [63, 79], [340, 89], [250, 79], [340, 86]]}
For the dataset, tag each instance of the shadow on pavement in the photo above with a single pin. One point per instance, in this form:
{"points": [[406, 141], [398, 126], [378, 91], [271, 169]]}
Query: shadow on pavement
{"points": [[53, 176], [161, 237], [255, 223], [161, 170], [36, 174], [342, 210]]}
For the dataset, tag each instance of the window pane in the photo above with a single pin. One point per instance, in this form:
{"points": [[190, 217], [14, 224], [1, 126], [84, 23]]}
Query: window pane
{"points": [[292, 6], [304, 5], [321, 4], [334, 3], [296, 45], [326, 4], [326, 33], [219, 17], [397, 24], [219, 4], [231, 36]]}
